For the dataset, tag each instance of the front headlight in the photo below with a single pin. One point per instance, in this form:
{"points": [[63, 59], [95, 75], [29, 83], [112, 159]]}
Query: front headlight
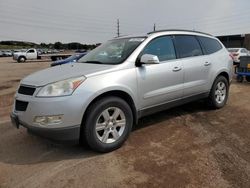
{"points": [[61, 88]]}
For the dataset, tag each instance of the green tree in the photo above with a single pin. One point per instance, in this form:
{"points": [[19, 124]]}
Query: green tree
{"points": [[58, 45]]}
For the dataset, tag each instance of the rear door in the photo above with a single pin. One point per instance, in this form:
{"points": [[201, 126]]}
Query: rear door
{"points": [[163, 82], [196, 66]]}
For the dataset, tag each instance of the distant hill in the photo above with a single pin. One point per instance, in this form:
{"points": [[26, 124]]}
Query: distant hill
{"points": [[56, 45], [17, 44]]}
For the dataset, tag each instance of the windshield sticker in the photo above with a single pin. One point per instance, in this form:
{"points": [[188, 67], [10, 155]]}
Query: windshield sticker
{"points": [[136, 39]]}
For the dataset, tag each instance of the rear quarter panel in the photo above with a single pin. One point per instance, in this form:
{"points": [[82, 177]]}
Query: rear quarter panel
{"points": [[221, 62]]}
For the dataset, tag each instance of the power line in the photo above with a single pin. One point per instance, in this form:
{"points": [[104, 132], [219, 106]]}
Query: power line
{"points": [[73, 18], [49, 27]]}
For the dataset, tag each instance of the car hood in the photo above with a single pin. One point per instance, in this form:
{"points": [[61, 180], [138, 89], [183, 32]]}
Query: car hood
{"points": [[63, 72], [19, 53]]}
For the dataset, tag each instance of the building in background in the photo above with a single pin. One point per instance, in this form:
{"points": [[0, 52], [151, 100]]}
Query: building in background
{"points": [[236, 41]]}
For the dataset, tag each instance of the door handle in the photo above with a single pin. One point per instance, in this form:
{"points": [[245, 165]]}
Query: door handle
{"points": [[175, 69], [207, 63]]}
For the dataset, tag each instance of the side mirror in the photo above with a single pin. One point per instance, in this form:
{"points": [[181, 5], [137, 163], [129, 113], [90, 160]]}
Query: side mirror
{"points": [[149, 59]]}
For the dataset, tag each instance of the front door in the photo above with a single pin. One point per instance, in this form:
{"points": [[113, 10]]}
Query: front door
{"points": [[163, 82], [31, 54]]}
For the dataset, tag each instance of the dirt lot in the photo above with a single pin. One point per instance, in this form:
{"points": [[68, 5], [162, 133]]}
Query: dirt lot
{"points": [[188, 146]]}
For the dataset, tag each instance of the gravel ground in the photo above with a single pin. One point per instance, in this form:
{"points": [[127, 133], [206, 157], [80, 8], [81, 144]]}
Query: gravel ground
{"points": [[188, 146]]}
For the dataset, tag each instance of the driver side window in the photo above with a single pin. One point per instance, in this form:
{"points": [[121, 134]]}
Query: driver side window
{"points": [[31, 51], [162, 47]]}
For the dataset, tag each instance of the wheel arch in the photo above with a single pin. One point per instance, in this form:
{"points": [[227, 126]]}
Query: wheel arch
{"points": [[221, 73], [225, 74], [21, 56], [116, 93]]}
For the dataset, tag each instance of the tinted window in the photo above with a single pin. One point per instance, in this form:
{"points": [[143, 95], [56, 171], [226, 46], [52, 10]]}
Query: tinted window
{"points": [[31, 51], [162, 47], [187, 46], [209, 45]]}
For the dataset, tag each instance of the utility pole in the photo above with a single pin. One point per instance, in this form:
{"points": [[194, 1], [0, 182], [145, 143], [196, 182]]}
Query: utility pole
{"points": [[154, 27], [118, 28]]}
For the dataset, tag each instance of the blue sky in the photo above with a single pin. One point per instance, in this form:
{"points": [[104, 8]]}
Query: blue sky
{"points": [[95, 21]]}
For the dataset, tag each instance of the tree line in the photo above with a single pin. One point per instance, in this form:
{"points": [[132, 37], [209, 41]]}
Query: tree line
{"points": [[56, 45]]}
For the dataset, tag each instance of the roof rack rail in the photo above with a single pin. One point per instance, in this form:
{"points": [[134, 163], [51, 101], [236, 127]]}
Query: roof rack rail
{"points": [[186, 30]]}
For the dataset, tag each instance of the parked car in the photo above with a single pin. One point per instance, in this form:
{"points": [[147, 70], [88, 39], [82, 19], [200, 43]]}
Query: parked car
{"points": [[22, 56], [80, 51], [72, 59], [237, 53], [32, 54], [1, 54], [55, 51], [101, 97], [15, 51], [7, 53]]}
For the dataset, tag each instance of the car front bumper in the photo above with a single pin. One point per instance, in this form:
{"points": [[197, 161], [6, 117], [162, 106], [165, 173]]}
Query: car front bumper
{"points": [[70, 108], [66, 134]]}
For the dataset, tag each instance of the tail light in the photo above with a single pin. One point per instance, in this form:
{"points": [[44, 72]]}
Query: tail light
{"points": [[231, 55]]}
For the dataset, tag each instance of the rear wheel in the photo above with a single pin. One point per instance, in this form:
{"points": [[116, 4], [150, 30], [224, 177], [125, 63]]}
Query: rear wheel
{"points": [[248, 78], [108, 124], [219, 93], [21, 59], [239, 78]]}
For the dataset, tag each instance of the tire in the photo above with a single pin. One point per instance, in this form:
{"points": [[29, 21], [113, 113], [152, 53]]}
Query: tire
{"points": [[240, 78], [219, 93], [21, 59], [53, 58], [248, 78], [108, 136]]}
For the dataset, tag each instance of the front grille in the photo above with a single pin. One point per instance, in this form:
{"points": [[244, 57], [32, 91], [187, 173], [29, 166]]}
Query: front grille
{"points": [[21, 105], [25, 90]]}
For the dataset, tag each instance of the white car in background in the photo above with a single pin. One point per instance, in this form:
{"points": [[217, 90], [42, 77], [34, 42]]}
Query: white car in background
{"points": [[7, 53], [237, 53]]}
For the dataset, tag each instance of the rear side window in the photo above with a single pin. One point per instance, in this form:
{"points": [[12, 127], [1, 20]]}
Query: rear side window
{"points": [[209, 45], [162, 47], [187, 46]]}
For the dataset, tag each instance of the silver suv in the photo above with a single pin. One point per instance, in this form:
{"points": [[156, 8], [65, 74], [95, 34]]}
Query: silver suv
{"points": [[100, 98]]}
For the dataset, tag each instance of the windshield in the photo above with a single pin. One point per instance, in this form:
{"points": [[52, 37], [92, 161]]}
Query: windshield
{"points": [[112, 52]]}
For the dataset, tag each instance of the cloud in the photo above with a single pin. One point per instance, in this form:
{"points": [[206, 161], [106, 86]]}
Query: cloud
{"points": [[95, 21]]}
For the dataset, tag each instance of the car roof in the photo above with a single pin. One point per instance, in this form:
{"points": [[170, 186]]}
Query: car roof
{"points": [[169, 32], [235, 48], [179, 30]]}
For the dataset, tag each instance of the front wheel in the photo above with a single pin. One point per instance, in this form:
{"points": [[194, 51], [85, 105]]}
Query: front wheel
{"points": [[108, 124], [219, 93]]}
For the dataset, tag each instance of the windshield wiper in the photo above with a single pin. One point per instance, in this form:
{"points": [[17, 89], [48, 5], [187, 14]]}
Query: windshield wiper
{"points": [[95, 62]]}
